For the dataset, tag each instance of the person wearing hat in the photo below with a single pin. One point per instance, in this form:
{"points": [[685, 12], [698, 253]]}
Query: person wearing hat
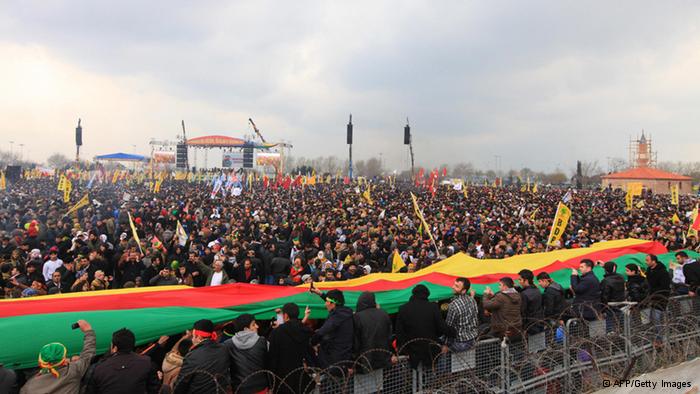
{"points": [[205, 369], [57, 374], [333, 341]]}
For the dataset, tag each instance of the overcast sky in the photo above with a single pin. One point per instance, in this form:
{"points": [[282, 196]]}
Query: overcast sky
{"points": [[539, 83]]}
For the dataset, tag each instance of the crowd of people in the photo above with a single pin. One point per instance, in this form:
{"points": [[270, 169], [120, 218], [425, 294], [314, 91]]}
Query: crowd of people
{"points": [[329, 232]]}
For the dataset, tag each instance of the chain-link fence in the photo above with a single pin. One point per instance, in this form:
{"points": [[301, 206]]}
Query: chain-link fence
{"points": [[564, 355]]}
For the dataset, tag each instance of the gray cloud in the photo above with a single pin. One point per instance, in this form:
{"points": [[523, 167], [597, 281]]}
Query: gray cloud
{"points": [[540, 83]]}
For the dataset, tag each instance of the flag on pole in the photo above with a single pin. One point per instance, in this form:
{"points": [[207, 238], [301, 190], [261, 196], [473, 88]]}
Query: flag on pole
{"points": [[635, 188], [695, 223], [560, 221], [418, 212], [81, 203], [366, 195], [675, 219], [397, 262], [534, 214], [628, 200], [133, 232], [3, 181], [67, 188], [180, 234], [674, 195], [534, 188]]}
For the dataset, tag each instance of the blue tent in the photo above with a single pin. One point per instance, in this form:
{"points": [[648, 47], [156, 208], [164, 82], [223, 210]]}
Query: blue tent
{"points": [[121, 157]]}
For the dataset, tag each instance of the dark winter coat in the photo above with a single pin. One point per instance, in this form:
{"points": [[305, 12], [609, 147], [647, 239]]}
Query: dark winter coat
{"points": [[637, 288], [587, 299], [531, 308], [691, 271], [612, 288], [289, 347], [249, 355], [659, 286], [335, 337], [420, 319], [505, 311], [124, 373], [553, 301], [210, 357], [372, 339]]}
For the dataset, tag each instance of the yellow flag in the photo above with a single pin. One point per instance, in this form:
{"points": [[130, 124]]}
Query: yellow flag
{"points": [[3, 182], [367, 196], [635, 188], [561, 219], [674, 195], [523, 188], [640, 204], [691, 231], [81, 203], [628, 200], [397, 262], [115, 176], [424, 225], [534, 188], [67, 188], [133, 232], [528, 184], [156, 187], [465, 191], [534, 214], [675, 219], [61, 182], [398, 220]]}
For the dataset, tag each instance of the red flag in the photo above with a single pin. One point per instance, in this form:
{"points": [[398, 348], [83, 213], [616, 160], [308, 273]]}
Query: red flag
{"points": [[297, 181], [444, 171], [266, 181], [696, 224], [346, 180], [287, 182]]}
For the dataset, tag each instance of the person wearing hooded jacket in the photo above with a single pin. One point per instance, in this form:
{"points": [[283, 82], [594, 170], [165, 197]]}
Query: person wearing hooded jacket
{"points": [[334, 338], [289, 348], [612, 287], [504, 307], [421, 320], [248, 355], [372, 332]]}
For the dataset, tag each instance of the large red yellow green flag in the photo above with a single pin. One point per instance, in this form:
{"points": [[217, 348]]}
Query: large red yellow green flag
{"points": [[165, 310]]}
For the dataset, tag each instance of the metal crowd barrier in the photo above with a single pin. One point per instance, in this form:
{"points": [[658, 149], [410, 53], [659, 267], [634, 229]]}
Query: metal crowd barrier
{"points": [[625, 340]]}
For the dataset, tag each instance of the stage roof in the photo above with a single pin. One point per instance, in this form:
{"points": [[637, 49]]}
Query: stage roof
{"points": [[222, 141], [647, 173], [119, 156]]}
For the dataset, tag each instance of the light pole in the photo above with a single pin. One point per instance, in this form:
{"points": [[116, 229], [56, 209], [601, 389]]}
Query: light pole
{"points": [[21, 152]]}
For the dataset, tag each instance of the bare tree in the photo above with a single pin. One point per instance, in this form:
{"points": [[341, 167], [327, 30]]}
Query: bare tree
{"points": [[373, 167], [57, 160]]}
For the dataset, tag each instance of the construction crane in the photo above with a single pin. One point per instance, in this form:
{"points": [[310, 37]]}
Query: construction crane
{"points": [[256, 130]]}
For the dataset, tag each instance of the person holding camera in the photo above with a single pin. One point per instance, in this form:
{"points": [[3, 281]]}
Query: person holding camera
{"points": [[165, 277], [57, 374]]}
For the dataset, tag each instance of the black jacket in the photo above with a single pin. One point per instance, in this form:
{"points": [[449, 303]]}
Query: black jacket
{"points": [[587, 299], [335, 337], [553, 301], [289, 347], [372, 339], [531, 309], [612, 288], [210, 357], [248, 356], [420, 319], [659, 286], [637, 288], [124, 373], [691, 271]]}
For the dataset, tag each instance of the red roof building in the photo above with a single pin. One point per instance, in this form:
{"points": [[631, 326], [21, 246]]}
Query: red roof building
{"points": [[652, 179]]}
